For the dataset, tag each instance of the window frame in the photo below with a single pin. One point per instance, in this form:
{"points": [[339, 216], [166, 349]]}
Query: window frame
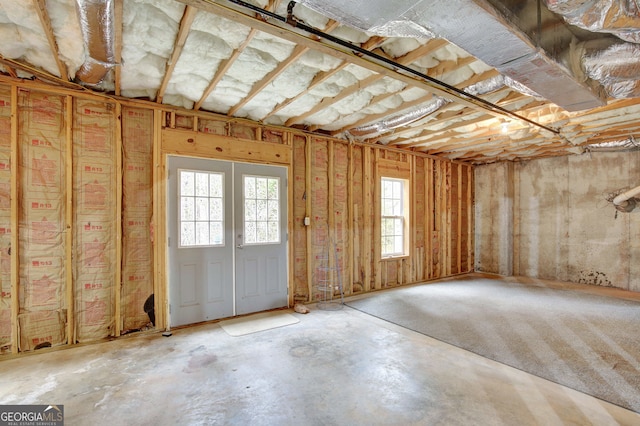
{"points": [[180, 220], [244, 212], [403, 216]]}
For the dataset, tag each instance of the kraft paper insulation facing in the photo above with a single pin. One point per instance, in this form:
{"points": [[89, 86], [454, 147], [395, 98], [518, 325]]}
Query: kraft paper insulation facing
{"points": [[42, 142], [137, 251], [5, 219], [94, 181], [42, 207]]}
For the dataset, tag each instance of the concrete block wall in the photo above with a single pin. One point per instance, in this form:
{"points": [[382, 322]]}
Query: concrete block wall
{"points": [[549, 219]]}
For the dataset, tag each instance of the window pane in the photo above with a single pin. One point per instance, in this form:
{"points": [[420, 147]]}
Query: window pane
{"points": [[261, 232], [202, 208], [398, 248], [397, 208], [261, 209], [187, 183], [261, 188], [273, 210], [216, 235], [250, 210], [249, 187], [387, 247], [187, 234], [215, 185], [250, 232], [272, 190], [273, 230], [202, 233], [215, 209], [202, 184], [187, 208], [387, 189], [398, 227]]}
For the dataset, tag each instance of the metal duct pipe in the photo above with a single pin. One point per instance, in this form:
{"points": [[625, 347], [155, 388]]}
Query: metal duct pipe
{"points": [[615, 65], [618, 17], [399, 120], [479, 28], [96, 22], [629, 144]]}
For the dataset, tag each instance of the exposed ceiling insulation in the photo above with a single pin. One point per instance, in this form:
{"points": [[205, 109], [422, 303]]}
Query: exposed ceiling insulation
{"points": [[400, 82]]}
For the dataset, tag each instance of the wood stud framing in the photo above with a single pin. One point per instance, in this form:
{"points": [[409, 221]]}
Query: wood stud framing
{"points": [[184, 139]]}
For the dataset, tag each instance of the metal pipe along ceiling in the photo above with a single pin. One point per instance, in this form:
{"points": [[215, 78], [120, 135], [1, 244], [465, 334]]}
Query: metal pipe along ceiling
{"points": [[453, 91], [96, 22]]}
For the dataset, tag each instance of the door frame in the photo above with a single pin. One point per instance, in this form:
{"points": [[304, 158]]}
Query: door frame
{"points": [[189, 143]]}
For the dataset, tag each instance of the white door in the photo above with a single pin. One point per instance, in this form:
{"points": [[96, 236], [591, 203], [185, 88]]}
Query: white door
{"points": [[261, 237], [227, 226]]}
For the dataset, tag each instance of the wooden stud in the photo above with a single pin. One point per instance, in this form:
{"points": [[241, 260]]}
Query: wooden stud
{"points": [[470, 218], [69, 223], [331, 212], [117, 43], [376, 221], [309, 214], [448, 195], [118, 211], [290, 230], [158, 224], [413, 251], [351, 210], [459, 221], [367, 166], [429, 212], [15, 242]]}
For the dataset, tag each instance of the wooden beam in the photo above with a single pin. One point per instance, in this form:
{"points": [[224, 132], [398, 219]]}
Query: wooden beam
{"points": [[68, 219], [195, 144], [288, 33], [377, 230], [15, 229], [185, 26], [38, 73], [368, 196], [118, 210], [223, 68], [442, 68], [328, 101], [350, 216], [45, 21], [298, 51], [11, 71], [309, 214], [117, 43], [160, 284]]}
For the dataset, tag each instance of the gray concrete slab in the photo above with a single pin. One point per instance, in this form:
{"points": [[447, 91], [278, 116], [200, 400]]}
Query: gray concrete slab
{"points": [[332, 368]]}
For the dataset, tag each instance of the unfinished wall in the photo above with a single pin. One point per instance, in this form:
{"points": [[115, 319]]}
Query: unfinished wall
{"points": [[563, 228], [82, 221], [61, 233]]}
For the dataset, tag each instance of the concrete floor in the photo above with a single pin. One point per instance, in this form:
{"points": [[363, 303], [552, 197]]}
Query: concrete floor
{"points": [[332, 368]]}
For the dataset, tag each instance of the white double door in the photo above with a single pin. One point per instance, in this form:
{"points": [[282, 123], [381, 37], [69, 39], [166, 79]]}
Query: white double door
{"points": [[227, 225]]}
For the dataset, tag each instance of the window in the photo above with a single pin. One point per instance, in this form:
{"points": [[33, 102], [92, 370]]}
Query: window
{"points": [[393, 219], [261, 210], [201, 208]]}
